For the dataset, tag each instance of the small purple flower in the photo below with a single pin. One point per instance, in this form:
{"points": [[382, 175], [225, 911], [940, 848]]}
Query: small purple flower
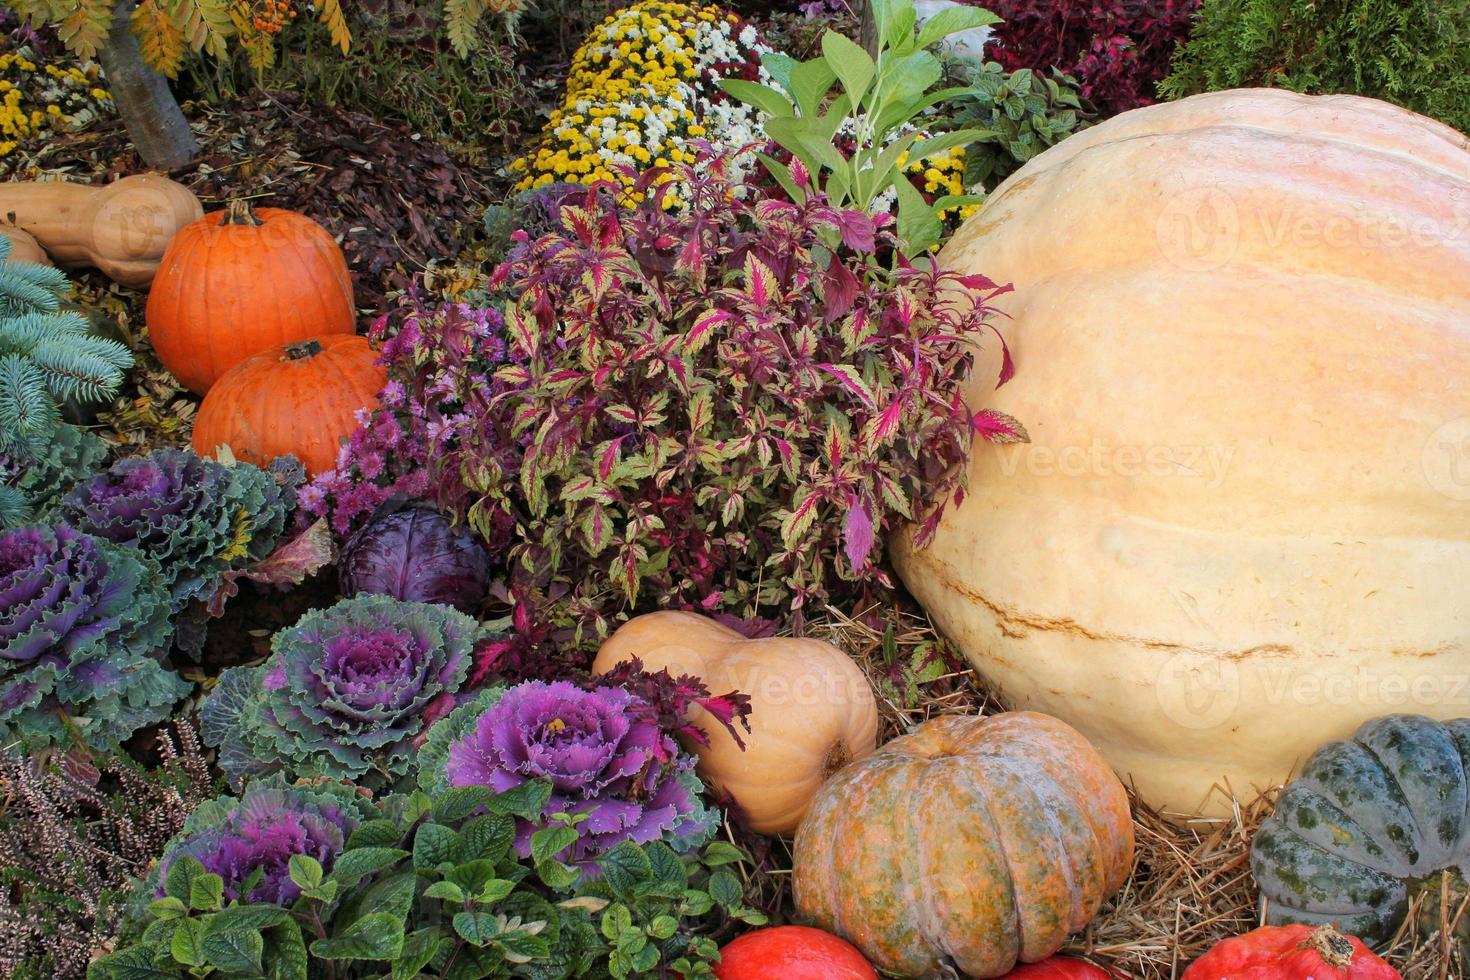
{"points": [[262, 831], [602, 756]]}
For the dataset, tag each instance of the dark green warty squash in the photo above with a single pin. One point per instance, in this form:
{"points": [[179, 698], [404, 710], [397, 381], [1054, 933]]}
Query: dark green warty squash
{"points": [[1371, 823]]}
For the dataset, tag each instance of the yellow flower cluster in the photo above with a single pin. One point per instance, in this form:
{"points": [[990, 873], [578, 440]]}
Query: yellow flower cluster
{"points": [[35, 100], [642, 86], [941, 176]]}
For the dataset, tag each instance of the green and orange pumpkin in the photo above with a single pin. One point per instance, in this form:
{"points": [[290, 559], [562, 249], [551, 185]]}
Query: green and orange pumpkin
{"points": [[969, 845]]}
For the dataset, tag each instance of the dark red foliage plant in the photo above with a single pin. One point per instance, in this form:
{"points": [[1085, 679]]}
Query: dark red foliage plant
{"points": [[1118, 49], [724, 406]]}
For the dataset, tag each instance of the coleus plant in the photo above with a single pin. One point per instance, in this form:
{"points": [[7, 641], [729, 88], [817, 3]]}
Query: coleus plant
{"points": [[715, 408], [615, 774], [344, 693], [266, 885], [82, 625]]}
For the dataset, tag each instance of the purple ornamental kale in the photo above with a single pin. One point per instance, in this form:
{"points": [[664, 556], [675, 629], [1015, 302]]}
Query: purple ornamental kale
{"points": [[79, 622], [262, 830], [344, 693], [603, 757], [195, 516]]}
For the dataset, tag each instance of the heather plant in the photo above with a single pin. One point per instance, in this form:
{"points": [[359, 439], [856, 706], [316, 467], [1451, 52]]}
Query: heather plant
{"points": [[344, 693], [1119, 50], [73, 836], [714, 409], [1416, 55], [615, 774], [1022, 113], [196, 518], [423, 886], [83, 624]]}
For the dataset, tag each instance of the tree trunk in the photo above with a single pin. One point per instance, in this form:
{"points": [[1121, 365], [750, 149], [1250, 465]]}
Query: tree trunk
{"points": [[143, 99], [868, 28]]}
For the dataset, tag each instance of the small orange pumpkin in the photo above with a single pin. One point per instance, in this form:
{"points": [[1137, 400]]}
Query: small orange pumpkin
{"points": [[239, 282], [969, 844], [811, 708], [300, 399]]}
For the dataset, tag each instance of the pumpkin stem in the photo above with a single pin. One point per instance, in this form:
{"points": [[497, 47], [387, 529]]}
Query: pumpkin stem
{"points": [[239, 213], [837, 756], [302, 350], [1331, 945]]}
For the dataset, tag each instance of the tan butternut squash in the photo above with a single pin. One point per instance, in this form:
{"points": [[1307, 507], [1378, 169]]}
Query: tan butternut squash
{"points": [[24, 247], [812, 709], [121, 228]]}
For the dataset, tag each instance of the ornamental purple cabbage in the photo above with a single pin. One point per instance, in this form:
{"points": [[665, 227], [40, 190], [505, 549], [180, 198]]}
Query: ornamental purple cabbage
{"points": [[195, 516], [262, 831], [416, 555], [602, 756], [344, 693], [80, 623]]}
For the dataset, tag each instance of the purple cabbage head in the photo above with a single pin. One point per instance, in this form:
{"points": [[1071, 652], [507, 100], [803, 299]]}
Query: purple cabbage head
{"points": [[194, 516], [600, 751], [80, 621], [416, 555], [344, 693], [262, 831]]}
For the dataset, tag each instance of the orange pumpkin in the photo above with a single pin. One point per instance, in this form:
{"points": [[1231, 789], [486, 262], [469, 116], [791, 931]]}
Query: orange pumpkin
{"points": [[239, 282], [811, 708], [970, 844], [300, 399]]}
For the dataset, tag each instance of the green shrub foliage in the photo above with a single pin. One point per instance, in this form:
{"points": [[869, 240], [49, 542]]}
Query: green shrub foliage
{"points": [[46, 355], [1414, 53]]}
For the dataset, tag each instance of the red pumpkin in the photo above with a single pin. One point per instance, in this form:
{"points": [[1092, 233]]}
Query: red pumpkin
{"points": [[1059, 968], [300, 399], [236, 283], [792, 953], [1291, 953]]}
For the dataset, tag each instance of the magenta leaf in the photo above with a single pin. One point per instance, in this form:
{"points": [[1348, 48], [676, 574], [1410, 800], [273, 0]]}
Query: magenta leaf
{"points": [[857, 533], [998, 427]]}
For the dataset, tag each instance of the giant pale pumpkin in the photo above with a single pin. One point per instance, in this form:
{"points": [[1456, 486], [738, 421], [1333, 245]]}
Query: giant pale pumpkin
{"points": [[970, 844], [1242, 527], [812, 710], [239, 282]]}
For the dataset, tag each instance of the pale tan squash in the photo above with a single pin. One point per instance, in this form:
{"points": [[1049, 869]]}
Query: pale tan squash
{"points": [[120, 228], [1242, 330], [24, 247], [812, 710]]}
